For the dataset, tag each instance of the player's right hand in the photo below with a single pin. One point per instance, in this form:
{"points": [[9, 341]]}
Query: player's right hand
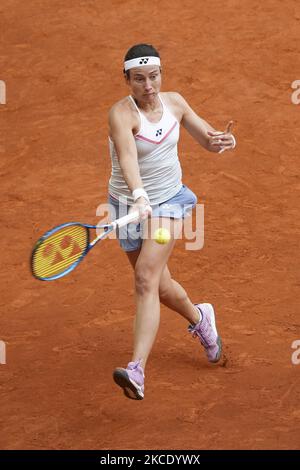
{"points": [[143, 207]]}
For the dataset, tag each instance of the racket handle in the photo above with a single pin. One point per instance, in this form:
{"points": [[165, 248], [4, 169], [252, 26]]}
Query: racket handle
{"points": [[126, 219]]}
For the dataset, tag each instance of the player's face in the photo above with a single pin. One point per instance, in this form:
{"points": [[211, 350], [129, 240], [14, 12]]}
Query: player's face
{"points": [[145, 82]]}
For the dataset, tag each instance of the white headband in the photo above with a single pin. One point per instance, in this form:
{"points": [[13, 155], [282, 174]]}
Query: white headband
{"points": [[140, 62]]}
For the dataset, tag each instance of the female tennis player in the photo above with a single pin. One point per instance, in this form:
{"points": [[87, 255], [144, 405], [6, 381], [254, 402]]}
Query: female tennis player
{"points": [[146, 176]]}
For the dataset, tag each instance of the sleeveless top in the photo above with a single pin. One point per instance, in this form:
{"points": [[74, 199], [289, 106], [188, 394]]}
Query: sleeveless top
{"points": [[158, 161]]}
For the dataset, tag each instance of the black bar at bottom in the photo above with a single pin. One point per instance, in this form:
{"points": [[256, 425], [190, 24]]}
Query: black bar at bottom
{"points": [[133, 458]]}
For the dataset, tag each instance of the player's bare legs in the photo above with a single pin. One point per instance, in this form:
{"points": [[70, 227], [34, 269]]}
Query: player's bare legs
{"points": [[148, 269], [171, 293], [153, 284]]}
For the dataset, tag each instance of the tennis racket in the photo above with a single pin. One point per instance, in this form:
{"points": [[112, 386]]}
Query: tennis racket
{"points": [[62, 248]]}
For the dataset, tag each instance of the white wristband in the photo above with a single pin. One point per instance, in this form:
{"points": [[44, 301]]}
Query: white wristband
{"points": [[140, 192]]}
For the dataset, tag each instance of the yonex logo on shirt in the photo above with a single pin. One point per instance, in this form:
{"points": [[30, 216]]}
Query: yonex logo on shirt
{"points": [[158, 132], [144, 61]]}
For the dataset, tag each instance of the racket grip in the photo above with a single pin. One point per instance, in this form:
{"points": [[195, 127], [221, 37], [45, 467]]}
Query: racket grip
{"points": [[126, 219]]}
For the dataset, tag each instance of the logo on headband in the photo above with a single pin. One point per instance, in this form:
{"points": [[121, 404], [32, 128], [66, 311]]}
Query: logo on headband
{"points": [[144, 61]]}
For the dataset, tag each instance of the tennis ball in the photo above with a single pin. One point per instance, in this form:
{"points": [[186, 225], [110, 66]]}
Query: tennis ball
{"points": [[162, 236]]}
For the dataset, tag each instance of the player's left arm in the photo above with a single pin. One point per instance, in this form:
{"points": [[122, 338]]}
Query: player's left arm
{"points": [[211, 139]]}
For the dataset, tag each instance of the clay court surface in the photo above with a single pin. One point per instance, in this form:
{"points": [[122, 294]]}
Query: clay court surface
{"points": [[62, 64]]}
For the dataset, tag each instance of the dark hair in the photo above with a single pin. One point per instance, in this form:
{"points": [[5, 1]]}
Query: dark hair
{"points": [[140, 50]]}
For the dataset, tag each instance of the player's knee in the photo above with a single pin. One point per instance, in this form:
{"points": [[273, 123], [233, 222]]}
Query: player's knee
{"points": [[145, 280]]}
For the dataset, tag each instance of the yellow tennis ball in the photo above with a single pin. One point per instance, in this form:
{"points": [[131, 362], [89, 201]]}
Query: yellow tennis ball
{"points": [[162, 236]]}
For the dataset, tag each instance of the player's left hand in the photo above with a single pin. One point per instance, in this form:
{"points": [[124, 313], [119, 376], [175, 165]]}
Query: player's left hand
{"points": [[221, 141]]}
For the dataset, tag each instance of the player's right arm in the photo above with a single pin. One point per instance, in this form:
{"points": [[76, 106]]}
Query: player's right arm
{"points": [[121, 127], [120, 123]]}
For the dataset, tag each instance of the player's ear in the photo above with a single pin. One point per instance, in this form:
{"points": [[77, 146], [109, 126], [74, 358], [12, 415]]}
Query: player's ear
{"points": [[126, 77]]}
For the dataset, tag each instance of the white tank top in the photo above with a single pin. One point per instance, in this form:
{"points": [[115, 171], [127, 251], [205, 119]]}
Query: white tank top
{"points": [[159, 166]]}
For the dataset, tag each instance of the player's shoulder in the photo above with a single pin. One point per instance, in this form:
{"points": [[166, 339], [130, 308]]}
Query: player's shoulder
{"points": [[172, 95], [173, 98], [121, 112], [121, 107], [176, 103]]}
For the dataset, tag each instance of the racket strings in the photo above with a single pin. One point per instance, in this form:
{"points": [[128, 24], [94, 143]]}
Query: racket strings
{"points": [[59, 251]]}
